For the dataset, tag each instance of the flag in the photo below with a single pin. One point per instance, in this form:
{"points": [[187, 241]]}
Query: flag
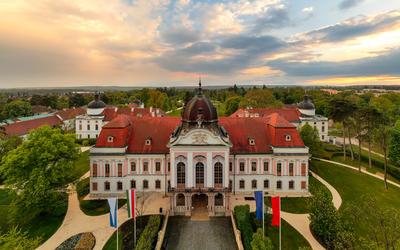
{"points": [[131, 200], [113, 204], [259, 204], [276, 210]]}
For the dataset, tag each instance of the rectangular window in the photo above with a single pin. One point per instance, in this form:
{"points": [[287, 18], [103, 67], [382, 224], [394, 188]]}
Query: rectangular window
{"points": [[323, 128], [241, 166], [145, 166], [94, 186], [88, 127], [230, 184], [241, 184], [253, 184], [133, 184], [119, 169], [279, 169], [145, 184], [106, 186], [303, 169], [254, 166], [94, 170], [279, 185], [291, 168], [119, 186], [158, 166], [158, 184], [133, 166], [303, 185], [230, 166], [107, 170], [266, 166], [97, 127], [266, 183], [169, 167], [291, 184]]}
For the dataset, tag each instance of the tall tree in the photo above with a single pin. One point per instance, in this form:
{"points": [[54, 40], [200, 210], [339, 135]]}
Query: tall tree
{"points": [[260, 241], [394, 148], [232, 104], [260, 98], [17, 108], [310, 137], [38, 169], [359, 120]]}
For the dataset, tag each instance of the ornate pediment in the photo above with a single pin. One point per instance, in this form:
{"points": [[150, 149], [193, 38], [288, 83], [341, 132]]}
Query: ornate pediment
{"points": [[199, 136]]}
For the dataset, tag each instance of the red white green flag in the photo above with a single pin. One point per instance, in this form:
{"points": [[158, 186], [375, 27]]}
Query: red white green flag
{"points": [[131, 200]]}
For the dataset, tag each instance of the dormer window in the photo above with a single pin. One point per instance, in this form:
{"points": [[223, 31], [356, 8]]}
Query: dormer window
{"points": [[252, 141], [110, 139], [288, 138], [148, 141]]}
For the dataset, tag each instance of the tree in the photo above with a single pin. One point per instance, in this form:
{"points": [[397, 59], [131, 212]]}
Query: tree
{"points": [[38, 170], [359, 121], [232, 104], [394, 148], [310, 137], [17, 108], [76, 100], [18, 240], [260, 241], [8, 144], [260, 98]]}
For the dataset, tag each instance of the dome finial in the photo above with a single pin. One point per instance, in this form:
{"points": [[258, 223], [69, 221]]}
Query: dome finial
{"points": [[199, 92]]}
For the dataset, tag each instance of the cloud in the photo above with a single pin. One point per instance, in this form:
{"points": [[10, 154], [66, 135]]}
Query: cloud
{"points": [[354, 27], [273, 18], [347, 4], [384, 64], [307, 10]]}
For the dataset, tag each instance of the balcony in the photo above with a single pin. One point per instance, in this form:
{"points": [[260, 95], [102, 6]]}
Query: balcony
{"points": [[199, 189]]}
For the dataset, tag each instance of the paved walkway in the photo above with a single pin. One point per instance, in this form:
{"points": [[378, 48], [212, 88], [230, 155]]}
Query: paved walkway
{"points": [[362, 171], [76, 221], [354, 142], [213, 234]]}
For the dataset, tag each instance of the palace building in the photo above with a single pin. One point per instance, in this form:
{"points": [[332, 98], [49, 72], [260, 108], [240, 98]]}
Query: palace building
{"points": [[199, 157]]}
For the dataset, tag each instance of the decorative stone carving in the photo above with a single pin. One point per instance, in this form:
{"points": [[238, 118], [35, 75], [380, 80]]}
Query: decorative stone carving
{"points": [[199, 138]]}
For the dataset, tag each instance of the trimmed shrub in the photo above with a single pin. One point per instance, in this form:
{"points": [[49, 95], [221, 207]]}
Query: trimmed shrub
{"points": [[83, 188], [149, 235], [87, 241], [243, 221]]}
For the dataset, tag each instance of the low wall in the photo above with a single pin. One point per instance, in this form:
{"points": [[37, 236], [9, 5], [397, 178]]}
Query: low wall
{"points": [[161, 233], [237, 234]]}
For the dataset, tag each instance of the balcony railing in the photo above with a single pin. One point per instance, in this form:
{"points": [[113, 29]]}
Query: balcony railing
{"points": [[199, 189]]}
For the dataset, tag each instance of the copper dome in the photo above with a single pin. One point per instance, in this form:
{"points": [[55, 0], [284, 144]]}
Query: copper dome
{"points": [[199, 108]]}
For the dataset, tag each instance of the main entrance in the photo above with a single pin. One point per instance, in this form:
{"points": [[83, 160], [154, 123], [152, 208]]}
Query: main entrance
{"points": [[199, 207]]}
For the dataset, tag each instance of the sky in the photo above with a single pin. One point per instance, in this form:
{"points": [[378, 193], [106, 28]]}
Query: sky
{"points": [[65, 43]]}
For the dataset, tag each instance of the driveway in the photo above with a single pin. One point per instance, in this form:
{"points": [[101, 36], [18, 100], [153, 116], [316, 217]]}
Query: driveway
{"points": [[214, 234]]}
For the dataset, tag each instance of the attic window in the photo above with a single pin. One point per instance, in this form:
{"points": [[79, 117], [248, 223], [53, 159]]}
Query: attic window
{"points": [[200, 111], [110, 139], [288, 138], [252, 141], [148, 141]]}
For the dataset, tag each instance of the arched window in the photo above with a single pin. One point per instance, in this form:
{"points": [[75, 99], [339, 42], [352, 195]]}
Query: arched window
{"points": [[180, 173], [218, 174], [180, 200], [219, 200], [199, 174]]}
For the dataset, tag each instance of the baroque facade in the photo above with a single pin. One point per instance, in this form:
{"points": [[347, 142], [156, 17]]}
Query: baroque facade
{"points": [[199, 157]]}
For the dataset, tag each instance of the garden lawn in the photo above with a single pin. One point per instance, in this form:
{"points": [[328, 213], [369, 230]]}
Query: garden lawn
{"points": [[175, 112], [351, 185], [92, 207], [81, 166], [291, 239], [299, 205]]}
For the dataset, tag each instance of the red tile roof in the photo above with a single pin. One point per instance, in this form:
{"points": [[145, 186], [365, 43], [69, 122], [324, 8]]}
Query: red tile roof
{"points": [[132, 132], [71, 113], [291, 114], [24, 127], [112, 112]]}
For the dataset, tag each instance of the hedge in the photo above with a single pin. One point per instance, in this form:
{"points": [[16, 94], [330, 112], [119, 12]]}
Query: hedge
{"points": [[86, 142], [243, 221], [149, 235]]}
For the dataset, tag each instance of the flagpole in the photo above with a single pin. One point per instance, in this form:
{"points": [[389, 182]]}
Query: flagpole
{"points": [[280, 225], [117, 221]]}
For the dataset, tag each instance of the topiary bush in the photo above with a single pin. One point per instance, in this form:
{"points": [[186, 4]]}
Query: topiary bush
{"points": [[243, 221], [86, 242], [149, 235]]}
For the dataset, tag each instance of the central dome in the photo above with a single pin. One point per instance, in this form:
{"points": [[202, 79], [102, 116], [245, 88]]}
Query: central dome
{"points": [[199, 108]]}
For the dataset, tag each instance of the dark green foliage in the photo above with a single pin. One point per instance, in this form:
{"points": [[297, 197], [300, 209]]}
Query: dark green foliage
{"points": [[260, 241], [17, 108], [394, 148], [148, 237], [232, 104], [242, 216], [310, 137]]}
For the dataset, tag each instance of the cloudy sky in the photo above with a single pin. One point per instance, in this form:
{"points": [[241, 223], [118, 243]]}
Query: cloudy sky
{"points": [[172, 42]]}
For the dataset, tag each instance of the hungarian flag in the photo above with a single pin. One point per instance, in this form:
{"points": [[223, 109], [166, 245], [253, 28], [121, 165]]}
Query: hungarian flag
{"points": [[131, 199], [276, 211], [113, 204]]}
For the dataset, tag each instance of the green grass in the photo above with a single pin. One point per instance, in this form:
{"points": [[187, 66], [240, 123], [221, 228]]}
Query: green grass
{"points": [[175, 112], [291, 239], [351, 185], [299, 205], [92, 207], [81, 166], [111, 244]]}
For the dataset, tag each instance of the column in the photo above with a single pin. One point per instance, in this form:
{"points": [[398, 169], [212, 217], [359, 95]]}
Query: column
{"points": [[226, 170], [189, 167], [172, 172], [208, 171]]}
